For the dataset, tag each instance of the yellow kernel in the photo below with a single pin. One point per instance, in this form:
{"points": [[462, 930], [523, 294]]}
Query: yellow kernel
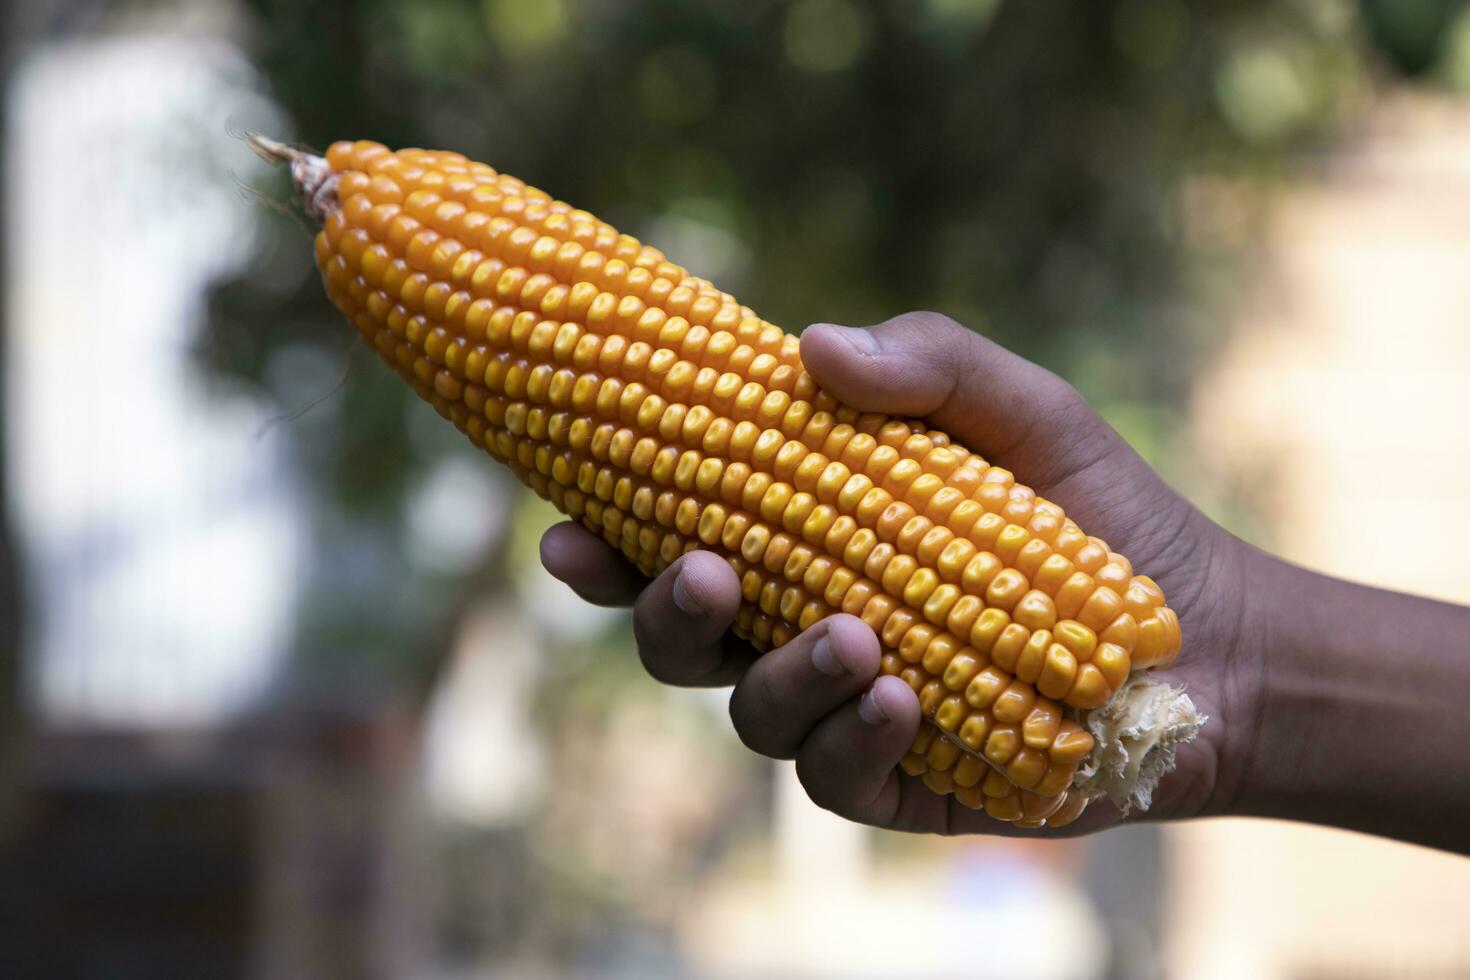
{"points": [[953, 560], [1008, 647], [1101, 608], [896, 574], [916, 642], [1032, 556], [975, 730], [1071, 744], [960, 670], [1002, 745], [1090, 689], [1014, 703], [1091, 556], [1033, 656], [1058, 672], [1041, 724], [939, 782], [969, 771], [986, 686], [1073, 593], [1117, 574], [963, 614], [1123, 631], [986, 530], [930, 696], [920, 586], [941, 651], [937, 607], [1075, 637], [1006, 589], [1113, 663], [951, 714], [979, 572], [1008, 544], [1035, 611], [1027, 767], [988, 629], [1056, 780]]}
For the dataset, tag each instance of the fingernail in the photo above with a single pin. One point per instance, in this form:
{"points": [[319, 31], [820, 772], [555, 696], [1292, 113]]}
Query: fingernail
{"points": [[684, 599], [870, 711], [824, 658]]}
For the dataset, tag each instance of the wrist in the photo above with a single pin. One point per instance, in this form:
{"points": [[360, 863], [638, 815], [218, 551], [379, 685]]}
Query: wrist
{"points": [[1355, 716]]}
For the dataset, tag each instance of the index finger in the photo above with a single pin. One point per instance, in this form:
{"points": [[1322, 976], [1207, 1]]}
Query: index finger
{"points": [[585, 562], [682, 622]]}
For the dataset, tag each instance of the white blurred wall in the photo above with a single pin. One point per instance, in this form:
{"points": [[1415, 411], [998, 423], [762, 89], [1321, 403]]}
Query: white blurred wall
{"points": [[155, 519], [1346, 391]]}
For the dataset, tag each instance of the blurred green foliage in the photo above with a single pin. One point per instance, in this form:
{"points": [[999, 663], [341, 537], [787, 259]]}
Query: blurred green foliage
{"points": [[1413, 34], [1017, 165]]}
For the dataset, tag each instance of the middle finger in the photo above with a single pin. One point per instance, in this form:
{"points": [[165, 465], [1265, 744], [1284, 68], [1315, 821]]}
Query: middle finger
{"points": [[788, 691], [680, 623]]}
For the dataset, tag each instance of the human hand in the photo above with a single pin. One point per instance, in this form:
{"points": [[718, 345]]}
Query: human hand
{"points": [[819, 698]]}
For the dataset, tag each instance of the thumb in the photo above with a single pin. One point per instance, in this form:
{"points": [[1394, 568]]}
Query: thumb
{"points": [[923, 365]]}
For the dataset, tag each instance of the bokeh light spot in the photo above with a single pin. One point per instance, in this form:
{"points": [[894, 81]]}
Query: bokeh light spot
{"points": [[964, 15], [826, 36], [1261, 95], [527, 24], [1456, 64]]}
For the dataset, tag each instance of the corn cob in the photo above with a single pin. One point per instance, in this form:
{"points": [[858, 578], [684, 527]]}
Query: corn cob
{"points": [[663, 415]]}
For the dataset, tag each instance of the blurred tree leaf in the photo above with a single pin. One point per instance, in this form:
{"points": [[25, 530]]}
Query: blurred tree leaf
{"points": [[1411, 33]]}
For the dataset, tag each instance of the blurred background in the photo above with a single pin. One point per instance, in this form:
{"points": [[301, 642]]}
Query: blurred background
{"points": [[285, 690]]}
